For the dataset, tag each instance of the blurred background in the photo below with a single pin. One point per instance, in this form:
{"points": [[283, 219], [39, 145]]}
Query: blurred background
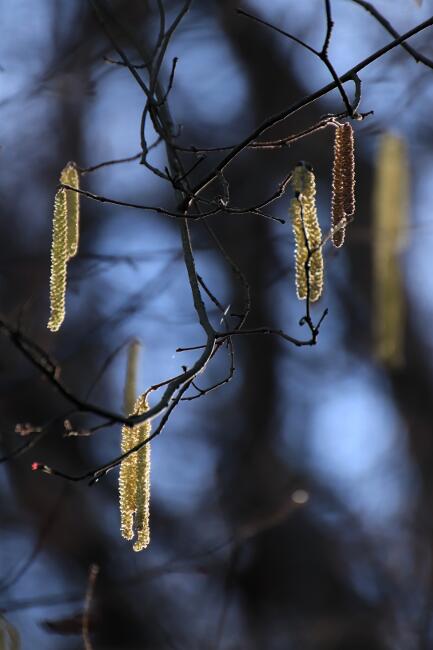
{"points": [[293, 507]]}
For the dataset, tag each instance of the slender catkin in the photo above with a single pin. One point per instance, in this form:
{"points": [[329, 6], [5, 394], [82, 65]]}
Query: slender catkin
{"points": [[307, 234], [348, 161], [134, 480], [129, 438], [143, 479], [134, 477], [337, 204], [343, 182], [69, 176], [59, 258], [391, 201], [128, 482]]}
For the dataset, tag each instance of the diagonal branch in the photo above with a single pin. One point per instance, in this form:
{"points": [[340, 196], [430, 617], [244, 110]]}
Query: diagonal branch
{"points": [[299, 105], [419, 58]]}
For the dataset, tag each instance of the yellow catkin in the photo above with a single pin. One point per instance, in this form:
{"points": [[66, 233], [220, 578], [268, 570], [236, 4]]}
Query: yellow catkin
{"points": [[59, 258], [128, 483], [391, 201], [129, 438], [134, 480], [307, 234], [69, 176], [142, 511]]}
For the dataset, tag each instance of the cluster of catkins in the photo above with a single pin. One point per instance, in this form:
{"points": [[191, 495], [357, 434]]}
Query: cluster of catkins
{"points": [[306, 227], [134, 477]]}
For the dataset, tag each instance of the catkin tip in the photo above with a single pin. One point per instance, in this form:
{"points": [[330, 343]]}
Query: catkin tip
{"points": [[70, 176]]}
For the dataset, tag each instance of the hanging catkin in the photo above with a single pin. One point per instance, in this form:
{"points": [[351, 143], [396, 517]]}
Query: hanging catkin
{"points": [[134, 480], [307, 234], [343, 182], [128, 467], [143, 479], [128, 483], [134, 477], [69, 176], [65, 235], [391, 201], [59, 258]]}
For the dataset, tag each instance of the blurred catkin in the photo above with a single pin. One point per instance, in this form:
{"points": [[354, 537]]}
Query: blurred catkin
{"points": [[391, 202], [59, 258], [307, 234]]}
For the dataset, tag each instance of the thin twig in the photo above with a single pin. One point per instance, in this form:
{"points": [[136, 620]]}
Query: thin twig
{"points": [[137, 66], [329, 28], [137, 206], [419, 58], [321, 54], [87, 170], [297, 40], [170, 81], [103, 369]]}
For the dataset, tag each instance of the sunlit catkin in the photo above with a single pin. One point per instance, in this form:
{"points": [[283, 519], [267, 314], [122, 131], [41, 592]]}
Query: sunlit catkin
{"points": [[59, 258], [391, 199], [307, 234], [134, 480], [143, 479], [128, 467], [343, 182], [69, 176], [128, 482], [134, 477]]}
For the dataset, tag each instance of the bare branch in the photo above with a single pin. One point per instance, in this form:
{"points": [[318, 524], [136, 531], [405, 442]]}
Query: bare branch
{"points": [[419, 58], [302, 103]]}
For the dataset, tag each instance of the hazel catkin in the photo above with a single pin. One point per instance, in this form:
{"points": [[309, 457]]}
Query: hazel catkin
{"points": [[134, 480], [59, 258], [343, 182], [307, 234]]}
